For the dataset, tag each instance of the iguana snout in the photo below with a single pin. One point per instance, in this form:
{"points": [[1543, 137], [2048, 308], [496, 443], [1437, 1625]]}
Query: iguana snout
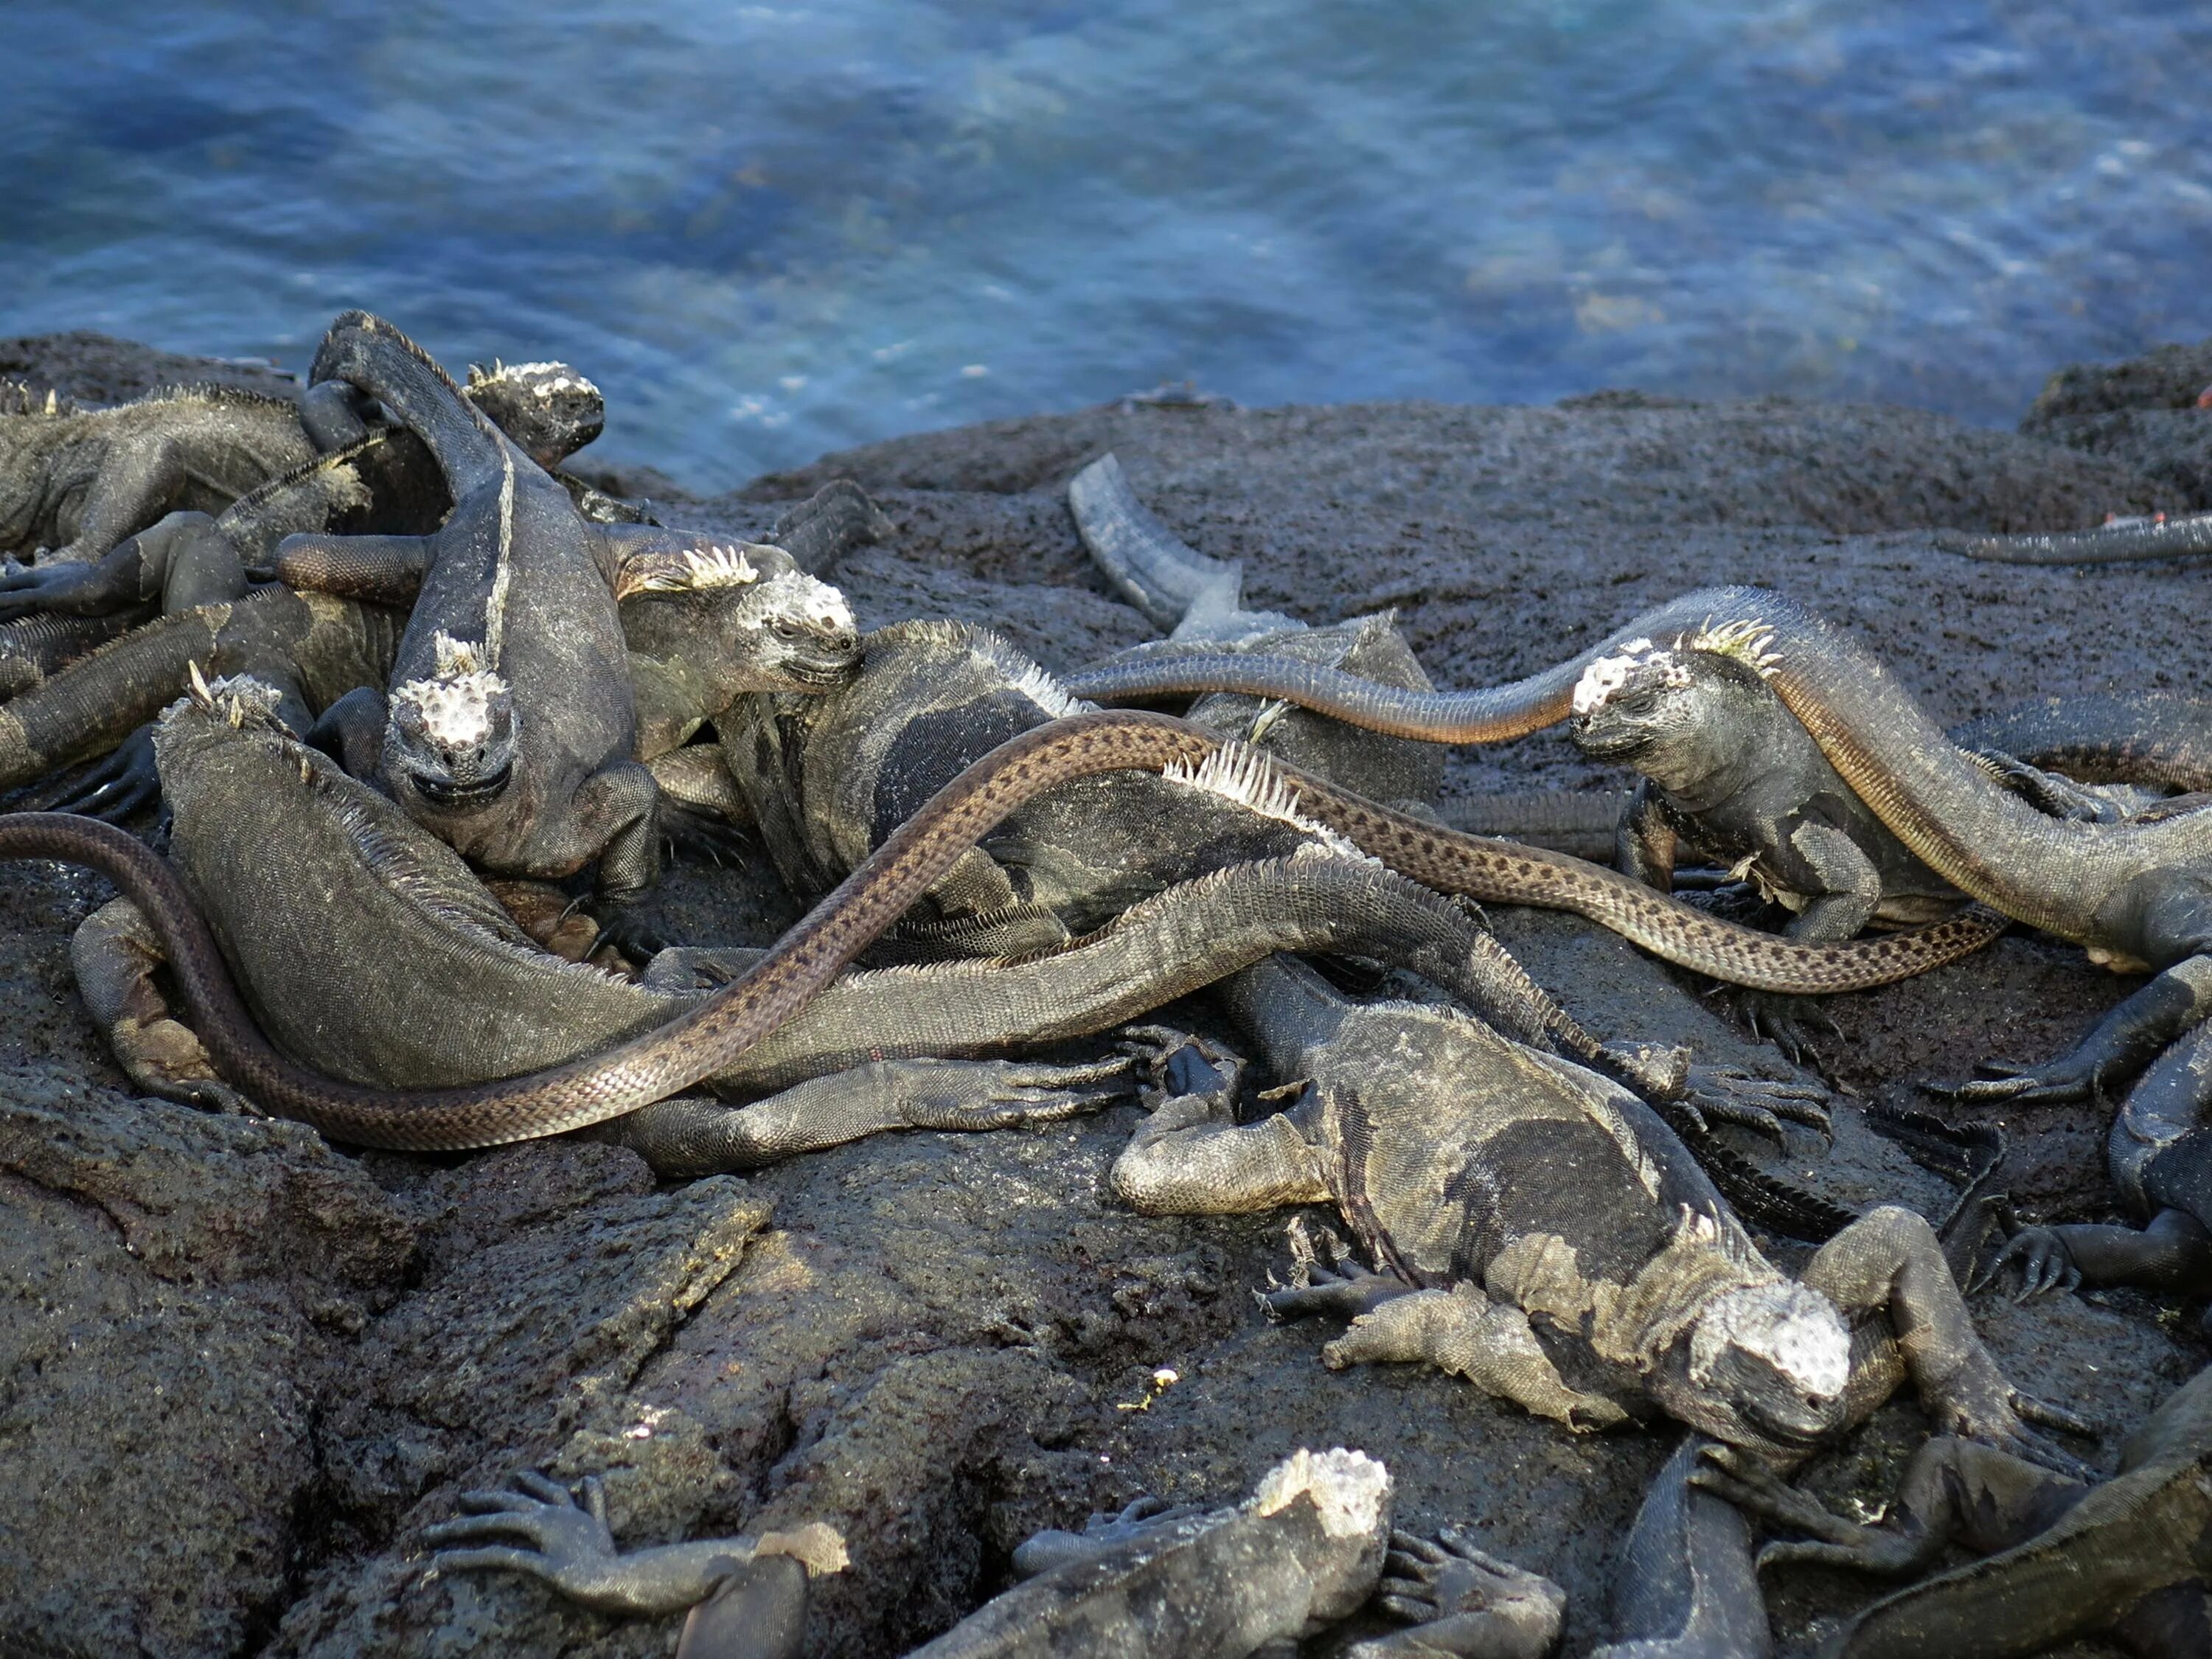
{"points": [[451, 736], [548, 408]]}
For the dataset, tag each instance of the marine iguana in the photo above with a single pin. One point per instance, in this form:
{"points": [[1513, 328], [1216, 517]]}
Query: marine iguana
{"points": [[510, 726], [2137, 895], [429, 983], [2129, 1560], [909, 862], [1152, 1582], [75, 482], [386, 483], [699, 639], [1494, 1186]]}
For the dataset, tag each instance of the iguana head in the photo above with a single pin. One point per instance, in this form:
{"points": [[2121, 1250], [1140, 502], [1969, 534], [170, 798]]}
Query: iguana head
{"points": [[744, 615], [1671, 712], [1763, 1366], [549, 410], [449, 736]]}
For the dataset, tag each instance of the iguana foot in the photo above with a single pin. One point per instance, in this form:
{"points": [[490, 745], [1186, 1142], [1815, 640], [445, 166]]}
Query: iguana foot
{"points": [[1003, 1094], [121, 783], [1053, 1548], [565, 1542], [1728, 1094], [2053, 1083], [1757, 1490], [1790, 1023], [1180, 1066], [1330, 1290], [691, 833], [70, 589], [2046, 1263], [1462, 1602], [1987, 1408]]}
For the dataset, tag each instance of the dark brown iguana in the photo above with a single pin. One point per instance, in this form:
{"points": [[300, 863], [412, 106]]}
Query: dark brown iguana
{"points": [[75, 482], [1310, 1547], [2129, 1561], [427, 982]]}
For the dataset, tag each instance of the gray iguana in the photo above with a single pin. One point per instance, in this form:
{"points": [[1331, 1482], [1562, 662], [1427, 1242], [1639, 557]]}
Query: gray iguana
{"points": [[426, 981], [75, 482], [2129, 1561], [1310, 1547]]}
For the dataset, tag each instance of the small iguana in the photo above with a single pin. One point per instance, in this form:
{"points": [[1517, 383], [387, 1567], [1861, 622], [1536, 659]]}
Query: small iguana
{"points": [[426, 983], [1312, 1546], [1525, 1215], [75, 482], [2129, 1560]]}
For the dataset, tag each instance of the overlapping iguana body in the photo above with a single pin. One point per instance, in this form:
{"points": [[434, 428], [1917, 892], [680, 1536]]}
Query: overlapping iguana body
{"points": [[385, 483], [1538, 1230], [425, 982], [1310, 1545], [510, 726], [698, 639], [2159, 537], [2129, 1561], [75, 481]]}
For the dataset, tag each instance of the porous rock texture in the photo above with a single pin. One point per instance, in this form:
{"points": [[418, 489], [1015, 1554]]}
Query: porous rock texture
{"points": [[240, 1370]]}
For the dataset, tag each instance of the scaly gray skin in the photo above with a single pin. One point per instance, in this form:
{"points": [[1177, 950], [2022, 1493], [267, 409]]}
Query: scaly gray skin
{"points": [[511, 727], [77, 482], [1495, 1186], [2160, 537], [1730, 773], [2129, 1561], [426, 983], [1309, 1547], [385, 483], [694, 652]]}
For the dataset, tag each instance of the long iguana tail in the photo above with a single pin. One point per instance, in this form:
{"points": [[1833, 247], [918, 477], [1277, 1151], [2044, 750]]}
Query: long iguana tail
{"points": [[2164, 742], [2142, 538], [366, 351]]}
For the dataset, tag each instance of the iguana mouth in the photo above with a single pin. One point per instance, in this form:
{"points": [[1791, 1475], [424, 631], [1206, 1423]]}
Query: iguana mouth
{"points": [[444, 791]]}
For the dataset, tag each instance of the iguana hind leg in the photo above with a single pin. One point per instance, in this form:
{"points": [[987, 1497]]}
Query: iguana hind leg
{"points": [[116, 954]]}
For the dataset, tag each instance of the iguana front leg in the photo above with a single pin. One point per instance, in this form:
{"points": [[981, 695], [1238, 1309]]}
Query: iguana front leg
{"points": [[689, 1136], [2120, 1045], [1889, 1265], [1489, 1343], [1954, 1490], [1461, 1603]]}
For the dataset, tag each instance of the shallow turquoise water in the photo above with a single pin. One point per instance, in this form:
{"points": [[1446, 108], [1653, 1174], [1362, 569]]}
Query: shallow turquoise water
{"points": [[769, 230]]}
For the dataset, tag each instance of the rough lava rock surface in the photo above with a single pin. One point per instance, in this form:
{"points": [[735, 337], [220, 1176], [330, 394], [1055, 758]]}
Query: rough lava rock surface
{"points": [[239, 1370]]}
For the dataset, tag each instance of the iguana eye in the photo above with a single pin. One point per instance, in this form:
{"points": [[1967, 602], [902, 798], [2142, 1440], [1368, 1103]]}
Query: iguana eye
{"points": [[785, 628]]}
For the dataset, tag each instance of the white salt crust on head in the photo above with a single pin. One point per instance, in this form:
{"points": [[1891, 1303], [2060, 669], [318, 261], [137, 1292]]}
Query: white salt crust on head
{"points": [[1795, 1330], [1350, 1490]]}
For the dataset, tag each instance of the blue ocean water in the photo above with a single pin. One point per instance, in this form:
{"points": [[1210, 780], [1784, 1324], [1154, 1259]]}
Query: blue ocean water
{"points": [[769, 230]]}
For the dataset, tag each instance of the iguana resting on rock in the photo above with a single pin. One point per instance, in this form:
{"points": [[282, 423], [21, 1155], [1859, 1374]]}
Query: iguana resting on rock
{"points": [[698, 640], [428, 983], [75, 481], [1524, 1213], [2137, 895], [510, 727], [386, 483], [2129, 1561], [1310, 1547]]}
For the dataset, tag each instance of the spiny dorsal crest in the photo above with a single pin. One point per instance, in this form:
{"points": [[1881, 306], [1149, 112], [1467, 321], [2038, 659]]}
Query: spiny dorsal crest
{"points": [[456, 657], [1248, 776], [239, 700], [694, 569], [16, 398], [1745, 641]]}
